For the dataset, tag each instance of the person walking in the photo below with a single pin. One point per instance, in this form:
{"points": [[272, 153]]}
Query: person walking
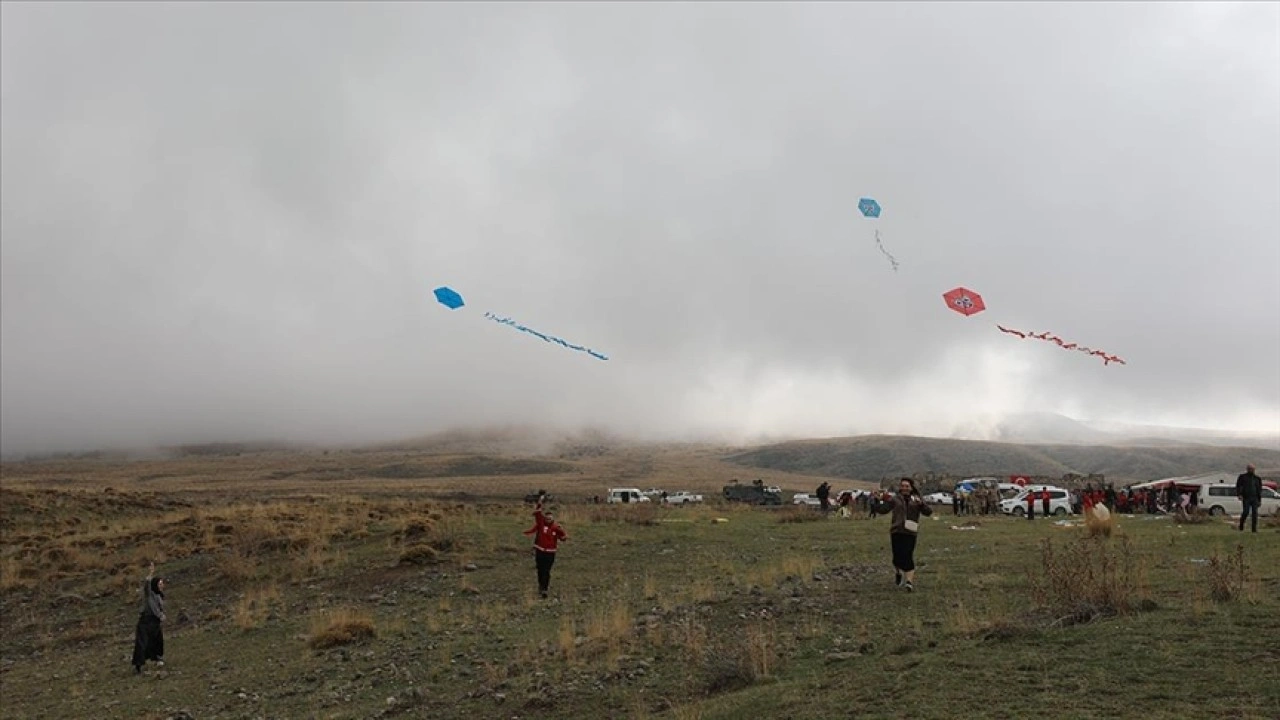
{"points": [[1249, 492], [148, 641], [547, 535], [906, 507]]}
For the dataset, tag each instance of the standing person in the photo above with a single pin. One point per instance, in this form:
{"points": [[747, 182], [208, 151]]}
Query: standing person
{"points": [[1249, 492], [906, 508], [547, 534], [1031, 504], [1044, 501], [824, 496], [148, 642]]}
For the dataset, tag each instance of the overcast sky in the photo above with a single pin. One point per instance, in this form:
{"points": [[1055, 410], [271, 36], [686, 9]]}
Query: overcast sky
{"points": [[224, 221]]}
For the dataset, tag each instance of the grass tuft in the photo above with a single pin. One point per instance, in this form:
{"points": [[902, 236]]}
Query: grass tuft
{"points": [[340, 627]]}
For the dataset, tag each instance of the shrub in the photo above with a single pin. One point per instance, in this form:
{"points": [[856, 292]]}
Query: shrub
{"points": [[799, 514], [1226, 576], [340, 627], [1086, 579]]}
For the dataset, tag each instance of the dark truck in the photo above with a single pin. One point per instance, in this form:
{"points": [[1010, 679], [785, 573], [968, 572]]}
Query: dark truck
{"points": [[754, 494]]}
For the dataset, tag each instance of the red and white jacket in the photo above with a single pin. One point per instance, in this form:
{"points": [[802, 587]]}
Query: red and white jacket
{"points": [[546, 534]]}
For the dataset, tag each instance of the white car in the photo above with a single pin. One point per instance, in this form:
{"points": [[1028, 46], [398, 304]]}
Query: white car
{"points": [[683, 498], [1059, 501], [627, 495], [939, 498], [805, 499], [1220, 499]]}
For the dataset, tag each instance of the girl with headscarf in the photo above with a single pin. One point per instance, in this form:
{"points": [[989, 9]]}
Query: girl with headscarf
{"points": [[148, 643]]}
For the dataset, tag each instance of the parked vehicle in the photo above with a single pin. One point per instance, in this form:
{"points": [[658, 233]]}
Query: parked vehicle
{"points": [[755, 493], [805, 499], [939, 498], [1220, 499], [1059, 501], [682, 498], [627, 495]]}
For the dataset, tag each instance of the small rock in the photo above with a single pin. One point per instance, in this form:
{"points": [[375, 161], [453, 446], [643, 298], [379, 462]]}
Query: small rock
{"points": [[471, 567], [839, 656]]}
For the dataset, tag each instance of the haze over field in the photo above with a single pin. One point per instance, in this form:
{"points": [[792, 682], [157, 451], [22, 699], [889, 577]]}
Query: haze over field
{"points": [[224, 221]]}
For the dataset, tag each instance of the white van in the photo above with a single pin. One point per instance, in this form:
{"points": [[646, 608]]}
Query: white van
{"points": [[627, 495], [1220, 499], [1059, 501]]}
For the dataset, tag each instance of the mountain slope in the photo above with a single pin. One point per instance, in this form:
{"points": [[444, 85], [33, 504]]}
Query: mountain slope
{"points": [[876, 456]]}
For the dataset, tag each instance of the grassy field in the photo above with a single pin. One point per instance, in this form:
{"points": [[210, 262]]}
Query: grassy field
{"points": [[329, 586]]}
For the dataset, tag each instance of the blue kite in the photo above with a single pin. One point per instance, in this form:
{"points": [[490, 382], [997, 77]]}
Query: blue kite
{"points": [[450, 298], [871, 209]]}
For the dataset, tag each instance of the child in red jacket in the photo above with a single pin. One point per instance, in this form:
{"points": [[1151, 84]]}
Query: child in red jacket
{"points": [[547, 534]]}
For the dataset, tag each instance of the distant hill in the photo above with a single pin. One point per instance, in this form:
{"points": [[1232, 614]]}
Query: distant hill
{"points": [[875, 456], [1052, 428]]}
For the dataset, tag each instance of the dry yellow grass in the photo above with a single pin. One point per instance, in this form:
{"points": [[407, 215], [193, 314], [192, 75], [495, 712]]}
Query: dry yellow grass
{"points": [[255, 606], [339, 627]]}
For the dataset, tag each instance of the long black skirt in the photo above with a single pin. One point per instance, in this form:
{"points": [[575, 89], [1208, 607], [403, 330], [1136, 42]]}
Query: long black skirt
{"points": [[904, 549], [148, 643]]}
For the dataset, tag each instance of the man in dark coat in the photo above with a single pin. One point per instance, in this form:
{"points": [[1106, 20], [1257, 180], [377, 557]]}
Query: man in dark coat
{"points": [[1249, 492]]}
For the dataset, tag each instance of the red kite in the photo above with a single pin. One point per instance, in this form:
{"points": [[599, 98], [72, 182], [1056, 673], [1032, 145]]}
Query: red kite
{"points": [[964, 301]]}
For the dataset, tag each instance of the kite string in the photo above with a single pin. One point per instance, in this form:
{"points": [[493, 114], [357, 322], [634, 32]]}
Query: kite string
{"points": [[546, 338]]}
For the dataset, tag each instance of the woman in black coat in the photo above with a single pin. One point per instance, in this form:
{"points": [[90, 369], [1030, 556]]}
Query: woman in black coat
{"points": [[148, 643]]}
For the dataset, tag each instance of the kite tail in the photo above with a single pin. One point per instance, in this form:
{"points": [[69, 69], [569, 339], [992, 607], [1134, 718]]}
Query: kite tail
{"points": [[545, 338], [892, 260], [1107, 358]]}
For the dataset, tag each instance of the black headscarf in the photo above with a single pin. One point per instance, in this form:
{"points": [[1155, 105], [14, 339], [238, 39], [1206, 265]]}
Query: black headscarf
{"points": [[155, 586]]}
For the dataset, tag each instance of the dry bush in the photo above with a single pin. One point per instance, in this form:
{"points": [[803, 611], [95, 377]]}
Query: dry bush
{"points": [[650, 588], [340, 627], [792, 567], [15, 574], [1087, 579], [702, 590], [740, 659], [1226, 576], [419, 555], [234, 569], [313, 561], [1195, 517], [254, 607], [690, 635], [567, 636], [643, 514], [686, 712], [800, 514]]}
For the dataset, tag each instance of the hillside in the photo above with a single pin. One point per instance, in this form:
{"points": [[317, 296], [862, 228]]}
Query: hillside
{"points": [[875, 456]]}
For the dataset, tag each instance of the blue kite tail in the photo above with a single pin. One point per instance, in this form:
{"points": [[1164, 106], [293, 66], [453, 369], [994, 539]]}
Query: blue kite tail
{"points": [[546, 338]]}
